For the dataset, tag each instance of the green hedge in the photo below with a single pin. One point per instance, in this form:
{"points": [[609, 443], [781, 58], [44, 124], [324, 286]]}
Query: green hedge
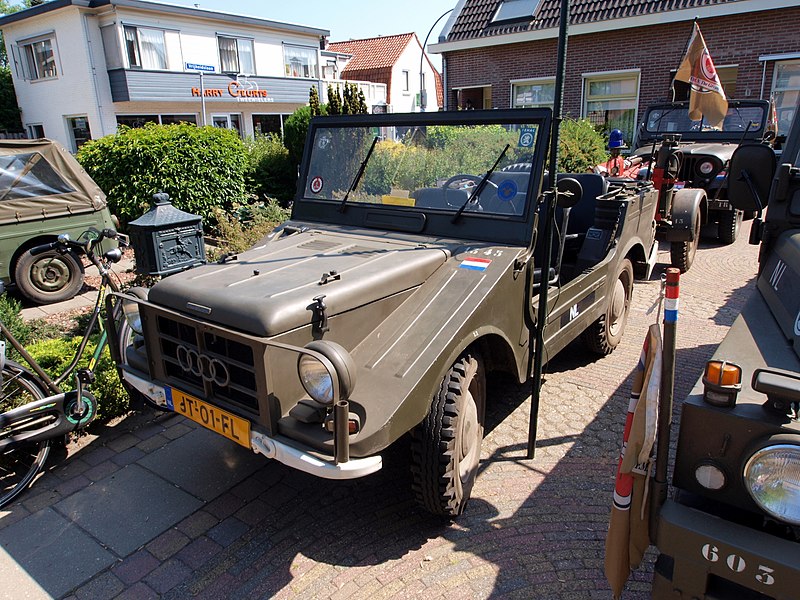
{"points": [[270, 172], [580, 147], [201, 168], [54, 356]]}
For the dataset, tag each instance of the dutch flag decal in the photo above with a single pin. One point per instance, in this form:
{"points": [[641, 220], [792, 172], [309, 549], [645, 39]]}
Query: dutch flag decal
{"points": [[474, 263]]}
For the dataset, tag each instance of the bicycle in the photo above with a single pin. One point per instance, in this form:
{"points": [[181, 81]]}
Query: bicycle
{"points": [[34, 408]]}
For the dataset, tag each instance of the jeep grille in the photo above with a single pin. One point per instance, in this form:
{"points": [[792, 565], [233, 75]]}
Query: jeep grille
{"points": [[239, 382]]}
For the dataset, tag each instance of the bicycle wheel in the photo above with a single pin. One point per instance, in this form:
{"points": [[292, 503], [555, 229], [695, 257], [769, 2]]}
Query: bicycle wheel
{"points": [[19, 466]]}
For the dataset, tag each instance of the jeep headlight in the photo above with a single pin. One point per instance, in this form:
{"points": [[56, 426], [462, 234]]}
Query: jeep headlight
{"points": [[130, 308], [328, 371], [772, 476]]}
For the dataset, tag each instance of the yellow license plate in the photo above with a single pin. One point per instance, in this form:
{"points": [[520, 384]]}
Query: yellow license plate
{"points": [[224, 423]]}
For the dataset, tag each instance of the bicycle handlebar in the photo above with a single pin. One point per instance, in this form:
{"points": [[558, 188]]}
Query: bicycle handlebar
{"points": [[64, 243]]}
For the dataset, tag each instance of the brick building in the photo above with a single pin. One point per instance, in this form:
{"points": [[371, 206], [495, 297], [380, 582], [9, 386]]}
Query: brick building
{"points": [[622, 54]]}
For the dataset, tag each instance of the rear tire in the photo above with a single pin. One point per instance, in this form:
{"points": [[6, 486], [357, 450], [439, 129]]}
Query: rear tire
{"points": [[730, 222], [605, 334], [682, 253], [446, 446], [20, 465], [48, 277]]}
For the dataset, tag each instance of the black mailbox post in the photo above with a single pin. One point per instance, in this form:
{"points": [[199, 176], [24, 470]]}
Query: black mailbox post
{"points": [[166, 239]]}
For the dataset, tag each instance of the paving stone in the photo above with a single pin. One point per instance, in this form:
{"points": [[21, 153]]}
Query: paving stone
{"points": [[36, 550], [128, 490], [106, 585], [167, 576], [138, 591], [198, 552], [167, 544], [197, 524], [135, 567]]}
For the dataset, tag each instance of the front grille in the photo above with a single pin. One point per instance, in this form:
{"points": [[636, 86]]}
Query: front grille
{"points": [[179, 339]]}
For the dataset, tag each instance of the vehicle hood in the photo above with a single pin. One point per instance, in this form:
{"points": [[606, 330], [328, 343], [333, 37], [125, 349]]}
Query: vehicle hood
{"points": [[278, 281]]}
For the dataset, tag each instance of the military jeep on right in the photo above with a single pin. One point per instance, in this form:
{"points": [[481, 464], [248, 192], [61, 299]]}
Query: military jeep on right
{"points": [[732, 527], [696, 157]]}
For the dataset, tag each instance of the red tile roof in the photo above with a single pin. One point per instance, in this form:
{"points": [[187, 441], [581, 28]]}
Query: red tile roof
{"points": [[474, 19], [373, 59], [373, 53]]}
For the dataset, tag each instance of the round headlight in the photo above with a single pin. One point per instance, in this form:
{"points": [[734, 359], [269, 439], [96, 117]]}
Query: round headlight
{"points": [[772, 476], [131, 311], [706, 167], [316, 378]]}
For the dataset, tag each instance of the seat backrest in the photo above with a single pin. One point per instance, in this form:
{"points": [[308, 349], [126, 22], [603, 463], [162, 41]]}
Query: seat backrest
{"points": [[581, 216]]}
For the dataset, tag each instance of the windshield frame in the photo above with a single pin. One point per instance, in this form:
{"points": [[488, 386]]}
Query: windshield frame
{"points": [[500, 228], [646, 136]]}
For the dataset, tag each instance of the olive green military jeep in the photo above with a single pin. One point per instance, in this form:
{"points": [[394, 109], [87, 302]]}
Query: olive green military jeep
{"points": [[410, 267], [44, 192], [732, 526], [689, 159]]}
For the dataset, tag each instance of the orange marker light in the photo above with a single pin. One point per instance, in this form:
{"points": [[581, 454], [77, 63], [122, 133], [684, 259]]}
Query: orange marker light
{"points": [[722, 381]]}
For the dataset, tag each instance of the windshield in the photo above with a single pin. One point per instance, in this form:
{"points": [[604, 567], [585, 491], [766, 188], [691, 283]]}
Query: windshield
{"points": [[432, 167], [675, 119]]}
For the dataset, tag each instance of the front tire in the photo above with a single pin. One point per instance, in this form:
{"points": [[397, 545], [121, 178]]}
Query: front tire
{"points": [[605, 334], [446, 446], [682, 253], [48, 277], [730, 222]]}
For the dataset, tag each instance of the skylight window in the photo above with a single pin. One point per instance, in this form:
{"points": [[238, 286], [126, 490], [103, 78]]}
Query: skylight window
{"points": [[515, 10]]}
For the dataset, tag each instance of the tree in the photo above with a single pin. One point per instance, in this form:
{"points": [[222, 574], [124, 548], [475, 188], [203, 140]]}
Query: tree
{"points": [[334, 101], [9, 109], [313, 102]]}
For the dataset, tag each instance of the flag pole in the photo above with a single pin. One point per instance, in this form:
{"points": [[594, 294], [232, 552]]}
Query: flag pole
{"points": [[665, 398]]}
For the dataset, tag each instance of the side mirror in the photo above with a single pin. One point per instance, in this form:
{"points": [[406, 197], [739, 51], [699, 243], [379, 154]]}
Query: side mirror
{"points": [[750, 174], [569, 191]]}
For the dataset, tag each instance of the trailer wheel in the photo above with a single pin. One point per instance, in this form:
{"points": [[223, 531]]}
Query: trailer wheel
{"points": [[446, 446], [730, 221], [682, 253], [605, 334]]}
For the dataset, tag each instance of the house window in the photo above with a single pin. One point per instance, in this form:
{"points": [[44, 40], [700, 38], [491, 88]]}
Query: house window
{"points": [[146, 48], [727, 77], [786, 92], [228, 121], [300, 61], [405, 81], [40, 59], [515, 10], [265, 124], [78, 131], [534, 93], [236, 55], [35, 131], [610, 101], [142, 120]]}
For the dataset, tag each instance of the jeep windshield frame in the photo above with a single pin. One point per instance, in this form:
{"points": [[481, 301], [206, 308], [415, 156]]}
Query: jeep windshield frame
{"points": [[673, 118], [423, 169]]}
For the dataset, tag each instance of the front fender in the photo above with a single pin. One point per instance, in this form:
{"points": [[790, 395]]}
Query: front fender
{"points": [[685, 206]]}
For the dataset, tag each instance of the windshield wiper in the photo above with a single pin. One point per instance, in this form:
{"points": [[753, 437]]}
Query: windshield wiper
{"points": [[476, 191], [359, 174]]}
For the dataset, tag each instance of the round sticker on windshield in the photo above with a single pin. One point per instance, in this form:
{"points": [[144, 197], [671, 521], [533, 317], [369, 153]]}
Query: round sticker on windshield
{"points": [[316, 184], [507, 190]]}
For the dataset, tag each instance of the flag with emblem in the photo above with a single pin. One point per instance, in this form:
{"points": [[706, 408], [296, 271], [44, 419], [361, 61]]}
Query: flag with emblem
{"points": [[707, 99], [628, 534]]}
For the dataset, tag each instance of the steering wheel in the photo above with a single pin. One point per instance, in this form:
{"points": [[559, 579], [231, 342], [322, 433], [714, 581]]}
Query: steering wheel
{"points": [[462, 179]]}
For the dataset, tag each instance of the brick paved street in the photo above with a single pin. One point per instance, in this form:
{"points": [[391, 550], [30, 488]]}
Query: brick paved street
{"points": [[155, 507]]}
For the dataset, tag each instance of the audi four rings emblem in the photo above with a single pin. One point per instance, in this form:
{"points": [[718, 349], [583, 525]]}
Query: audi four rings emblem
{"points": [[201, 365]]}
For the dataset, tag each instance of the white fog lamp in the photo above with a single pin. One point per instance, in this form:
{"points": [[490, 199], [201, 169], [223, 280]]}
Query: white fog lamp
{"points": [[772, 476]]}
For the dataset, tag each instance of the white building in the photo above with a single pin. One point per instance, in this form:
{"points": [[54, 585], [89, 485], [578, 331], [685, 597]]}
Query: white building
{"points": [[81, 67]]}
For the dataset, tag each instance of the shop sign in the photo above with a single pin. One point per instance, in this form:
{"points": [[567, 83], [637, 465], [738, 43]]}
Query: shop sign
{"points": [[242, 89]]}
